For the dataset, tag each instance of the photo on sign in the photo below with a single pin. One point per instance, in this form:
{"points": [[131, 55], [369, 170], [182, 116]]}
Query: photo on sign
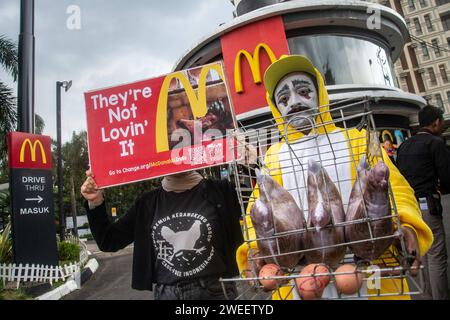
{"points": [[186, 130]]}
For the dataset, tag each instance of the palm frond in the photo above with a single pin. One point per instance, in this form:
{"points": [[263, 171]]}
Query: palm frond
{"points": [[9, 56], [5, 244], [39, 124], [8, 117]]}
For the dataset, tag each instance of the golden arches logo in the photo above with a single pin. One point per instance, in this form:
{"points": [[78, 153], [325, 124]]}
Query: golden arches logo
{"points": [[32, 147], [196, 101], [254, 63]]}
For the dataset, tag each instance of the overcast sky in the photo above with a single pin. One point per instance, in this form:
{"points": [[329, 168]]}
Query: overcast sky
{"points": [[119, 41]]}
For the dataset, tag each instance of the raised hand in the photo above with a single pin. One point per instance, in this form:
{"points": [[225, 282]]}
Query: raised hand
{"points": [[90, 191]]}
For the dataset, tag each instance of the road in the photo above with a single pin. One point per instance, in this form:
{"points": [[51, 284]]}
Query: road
{"points": [[112, 280]]}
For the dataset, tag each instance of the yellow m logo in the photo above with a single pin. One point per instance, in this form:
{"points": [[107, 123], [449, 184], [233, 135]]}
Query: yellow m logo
{"points": [[254, 62], [197, 101], [32, 147]]}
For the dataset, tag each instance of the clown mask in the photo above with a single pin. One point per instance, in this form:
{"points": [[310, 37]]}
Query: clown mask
{"points": [[296, 93]]}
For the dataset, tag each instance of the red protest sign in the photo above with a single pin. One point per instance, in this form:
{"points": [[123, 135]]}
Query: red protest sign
{"points": [[160, 126]]}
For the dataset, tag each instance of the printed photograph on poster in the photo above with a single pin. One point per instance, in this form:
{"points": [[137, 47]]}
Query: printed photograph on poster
{"points": [[180, 117], [160, 126]]}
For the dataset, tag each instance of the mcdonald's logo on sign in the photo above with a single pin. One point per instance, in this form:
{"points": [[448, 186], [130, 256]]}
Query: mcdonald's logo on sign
{"points": [[32, 148], [260, 44], [29, 151], [254, 62], [197, 101]]}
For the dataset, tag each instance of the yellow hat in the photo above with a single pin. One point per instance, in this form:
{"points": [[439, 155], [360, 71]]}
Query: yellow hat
{"points": [[285, 65]]}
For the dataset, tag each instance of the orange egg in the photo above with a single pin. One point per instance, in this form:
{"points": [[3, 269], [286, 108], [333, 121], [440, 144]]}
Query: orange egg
{"points": [[270, 270], [311, 287], [348, 283]]}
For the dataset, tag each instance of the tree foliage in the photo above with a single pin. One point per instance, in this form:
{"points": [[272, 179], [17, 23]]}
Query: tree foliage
{"points": [[9, 56], [8, 110]]}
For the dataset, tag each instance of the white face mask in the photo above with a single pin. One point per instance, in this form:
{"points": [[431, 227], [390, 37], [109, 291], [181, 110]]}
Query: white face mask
{"points": [[294, 93]]}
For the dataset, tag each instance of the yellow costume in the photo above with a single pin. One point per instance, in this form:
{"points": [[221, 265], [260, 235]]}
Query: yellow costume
{"points": [[355, 145]]}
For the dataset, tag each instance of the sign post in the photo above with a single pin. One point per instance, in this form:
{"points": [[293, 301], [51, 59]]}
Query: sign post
{"points": [[31, 184]]}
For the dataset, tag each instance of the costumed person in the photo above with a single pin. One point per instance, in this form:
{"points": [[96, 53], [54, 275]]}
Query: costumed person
{"points": [[424, 160], [185, 236], [294, 86]]}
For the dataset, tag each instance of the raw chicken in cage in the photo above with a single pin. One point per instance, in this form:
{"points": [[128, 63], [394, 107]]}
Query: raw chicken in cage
{"points": [[328, 211]]}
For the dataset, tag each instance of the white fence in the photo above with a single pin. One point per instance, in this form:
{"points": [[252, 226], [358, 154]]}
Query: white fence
{"points": [[42, 273], [36, 273]]}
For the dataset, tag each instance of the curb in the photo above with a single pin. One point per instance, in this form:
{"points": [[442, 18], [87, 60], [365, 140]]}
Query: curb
{"points": [[73, 284]]}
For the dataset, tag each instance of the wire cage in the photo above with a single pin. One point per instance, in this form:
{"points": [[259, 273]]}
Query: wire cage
{"points": [[337, 143]]}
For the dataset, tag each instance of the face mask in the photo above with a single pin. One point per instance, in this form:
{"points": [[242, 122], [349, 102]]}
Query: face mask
{"points": [[296, 93]]}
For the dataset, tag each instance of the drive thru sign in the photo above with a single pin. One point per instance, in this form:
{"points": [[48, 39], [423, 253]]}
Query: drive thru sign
{"points": [[31, 183]]}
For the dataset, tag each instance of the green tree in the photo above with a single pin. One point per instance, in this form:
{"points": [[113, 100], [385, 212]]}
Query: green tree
{"points": [[39, 124], [8, 110], [75, 162]]}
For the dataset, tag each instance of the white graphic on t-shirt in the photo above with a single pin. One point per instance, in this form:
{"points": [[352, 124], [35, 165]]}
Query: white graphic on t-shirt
{"points": [[183, 243], [183, 240]]}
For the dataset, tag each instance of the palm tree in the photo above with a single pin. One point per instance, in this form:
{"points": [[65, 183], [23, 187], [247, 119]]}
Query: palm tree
{"points": [[8, 110]]}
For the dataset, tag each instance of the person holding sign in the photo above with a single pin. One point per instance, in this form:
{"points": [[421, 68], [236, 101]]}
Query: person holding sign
{"points": [[185, 236]]}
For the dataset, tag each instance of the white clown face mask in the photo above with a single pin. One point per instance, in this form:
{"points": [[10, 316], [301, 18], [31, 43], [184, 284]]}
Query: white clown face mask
{"points": [[296, 93]]}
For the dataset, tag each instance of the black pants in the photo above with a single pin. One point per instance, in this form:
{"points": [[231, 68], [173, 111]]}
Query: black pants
{"points": [[197, 289], [435, 261]]}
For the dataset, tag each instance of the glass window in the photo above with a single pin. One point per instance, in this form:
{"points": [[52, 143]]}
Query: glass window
{"points": [[432, 76], [439, 102], [448, 42], [346, 60], [411, 5], [437, 50], [423, 3], [409, 83], [448, 98], [445, 18], [443, 72], [442, 2], [426, 54], [428, 22], [417, 25], [419, 81], [398, 7], [413, 57]]}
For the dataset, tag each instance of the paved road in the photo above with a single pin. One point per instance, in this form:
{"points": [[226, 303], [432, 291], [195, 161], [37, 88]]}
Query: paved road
{"points": [[112, 280]]}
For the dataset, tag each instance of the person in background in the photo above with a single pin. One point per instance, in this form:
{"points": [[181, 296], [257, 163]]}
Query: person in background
{"points": [[185, 234], [424, 160], [390, 149]]}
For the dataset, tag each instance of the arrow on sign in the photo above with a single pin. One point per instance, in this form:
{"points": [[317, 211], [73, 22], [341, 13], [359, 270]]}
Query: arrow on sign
{"points": [[38, 199]]}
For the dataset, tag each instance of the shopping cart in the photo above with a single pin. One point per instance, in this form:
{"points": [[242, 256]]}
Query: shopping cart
{"points": [[252, 143]]}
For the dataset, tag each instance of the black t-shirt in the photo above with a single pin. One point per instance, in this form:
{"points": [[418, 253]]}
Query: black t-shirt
{"points": [[186, 237], [425, 162]]}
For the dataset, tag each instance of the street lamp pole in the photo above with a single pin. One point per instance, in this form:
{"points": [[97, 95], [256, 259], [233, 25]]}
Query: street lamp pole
{"points": [[25, 90], [62, 218]]}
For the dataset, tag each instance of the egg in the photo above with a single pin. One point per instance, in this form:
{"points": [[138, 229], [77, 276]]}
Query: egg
{"points": [[348, 283], [269, 270], [311, 287]]}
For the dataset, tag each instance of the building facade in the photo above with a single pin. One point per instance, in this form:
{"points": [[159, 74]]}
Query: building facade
{"points": [[424, 66]]}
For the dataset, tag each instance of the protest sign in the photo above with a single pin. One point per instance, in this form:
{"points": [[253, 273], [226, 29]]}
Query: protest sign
{"points": [[151, 128]]}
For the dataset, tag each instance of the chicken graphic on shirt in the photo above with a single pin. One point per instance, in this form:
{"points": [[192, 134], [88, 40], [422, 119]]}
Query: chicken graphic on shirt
{"points": [[183, 240]]}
